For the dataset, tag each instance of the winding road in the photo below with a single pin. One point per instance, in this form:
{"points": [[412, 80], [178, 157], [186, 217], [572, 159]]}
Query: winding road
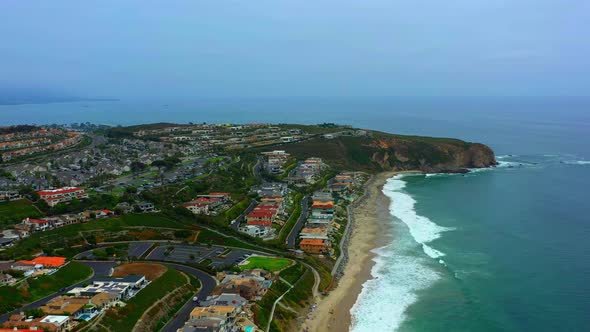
{"points": [[207, 285]]}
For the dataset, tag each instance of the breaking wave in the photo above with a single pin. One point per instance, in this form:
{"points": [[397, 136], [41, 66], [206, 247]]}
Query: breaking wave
{"points": [[400, 271]]}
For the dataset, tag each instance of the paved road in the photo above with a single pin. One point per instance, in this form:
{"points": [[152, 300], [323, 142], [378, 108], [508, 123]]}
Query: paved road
{"points": [[292, 237], [236, 223], [207, 285], [99, 269]]}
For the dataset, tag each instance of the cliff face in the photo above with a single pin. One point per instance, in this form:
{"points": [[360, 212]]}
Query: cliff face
{"points": [[383, 152], [430, 155]]}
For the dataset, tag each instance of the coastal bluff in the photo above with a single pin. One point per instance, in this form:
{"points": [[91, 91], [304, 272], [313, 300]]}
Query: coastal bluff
{"points": [[378, 152]]}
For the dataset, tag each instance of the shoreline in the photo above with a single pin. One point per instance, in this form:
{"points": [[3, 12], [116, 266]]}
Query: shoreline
{"points": [[372, 212]]}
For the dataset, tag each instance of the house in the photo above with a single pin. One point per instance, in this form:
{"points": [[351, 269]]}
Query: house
{"points": [[39, 263], [214, 311], [225, 299], [248, 287], [255, 230], [6, 279], [27, 268], [38, 224], [9, 195], [7, 242], [314, 246], [260, 218], [61, 195], [61, 305], [197, 207], [122, 287], [124, 207], [146, 207], [210, 324], [49, 261], [61, 322], [103, 300]]}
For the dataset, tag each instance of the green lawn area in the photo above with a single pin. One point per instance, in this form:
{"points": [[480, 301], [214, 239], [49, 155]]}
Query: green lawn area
{"points": [[12, 297], [125, 318], [268, 263], [71, 235], [15, 211]]}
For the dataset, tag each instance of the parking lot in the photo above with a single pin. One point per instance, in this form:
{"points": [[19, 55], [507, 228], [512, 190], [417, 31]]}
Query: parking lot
{"points": [[218, 255], [137, 249]]}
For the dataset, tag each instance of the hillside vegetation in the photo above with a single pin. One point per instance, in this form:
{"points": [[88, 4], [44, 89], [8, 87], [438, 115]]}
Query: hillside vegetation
{"points": [[382, 151]]}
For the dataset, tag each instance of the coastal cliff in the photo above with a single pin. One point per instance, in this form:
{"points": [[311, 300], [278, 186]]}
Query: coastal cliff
{"points": [[379, 152], [429, 155]]}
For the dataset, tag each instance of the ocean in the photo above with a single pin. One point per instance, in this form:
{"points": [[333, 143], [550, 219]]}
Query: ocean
{"points": [[503, 249]]}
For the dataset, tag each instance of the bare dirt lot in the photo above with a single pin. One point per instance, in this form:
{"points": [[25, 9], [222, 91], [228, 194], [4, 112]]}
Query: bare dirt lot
{"points": [[151, 271]]}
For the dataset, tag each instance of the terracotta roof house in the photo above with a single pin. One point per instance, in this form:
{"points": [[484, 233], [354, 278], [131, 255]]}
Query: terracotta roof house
{"points": [[315, 246]]}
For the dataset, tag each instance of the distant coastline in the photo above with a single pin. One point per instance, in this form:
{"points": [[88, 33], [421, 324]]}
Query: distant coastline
{"points": [[8, 102]]}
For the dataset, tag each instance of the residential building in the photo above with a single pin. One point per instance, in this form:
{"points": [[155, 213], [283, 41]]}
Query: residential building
{"points": [[122, 287], [255, 230], [59, 321], [210, 324], [38, 224], [314, 246], [9, 195], [62, 195], [146, 207]]}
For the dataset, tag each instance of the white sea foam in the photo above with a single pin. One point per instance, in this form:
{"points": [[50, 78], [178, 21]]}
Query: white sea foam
{"points": [[398, 274], [506, 156], [422, 229], [511, 164], [382, 304], [577, 162]]}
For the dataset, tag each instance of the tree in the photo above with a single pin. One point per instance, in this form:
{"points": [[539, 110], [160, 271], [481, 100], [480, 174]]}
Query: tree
{"points": [[131, 190], [137, 166]]}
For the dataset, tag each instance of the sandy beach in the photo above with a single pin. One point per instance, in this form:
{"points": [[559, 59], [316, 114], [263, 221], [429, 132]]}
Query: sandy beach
{"points": [[333, 311]]}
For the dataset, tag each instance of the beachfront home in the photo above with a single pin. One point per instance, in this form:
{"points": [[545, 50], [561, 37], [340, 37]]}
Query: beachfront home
{"points": [[314, 246]]}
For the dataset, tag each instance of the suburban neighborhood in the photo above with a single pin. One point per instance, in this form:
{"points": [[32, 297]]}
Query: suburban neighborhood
{"points": [[245, 232]]}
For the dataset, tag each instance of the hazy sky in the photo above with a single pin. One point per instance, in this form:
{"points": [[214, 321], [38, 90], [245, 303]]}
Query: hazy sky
{"points": [[219, 48]]}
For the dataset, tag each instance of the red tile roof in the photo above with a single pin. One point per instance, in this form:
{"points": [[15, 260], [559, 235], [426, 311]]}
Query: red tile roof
{"points": [[47, 261], [59, 191], [261, 214]]}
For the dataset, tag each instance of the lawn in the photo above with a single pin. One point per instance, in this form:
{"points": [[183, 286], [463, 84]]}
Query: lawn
{"points": [[15, 211], [68, 275], [12, 297], [268, 263]]}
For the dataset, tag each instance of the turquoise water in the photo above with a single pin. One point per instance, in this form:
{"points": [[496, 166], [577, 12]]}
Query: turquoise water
{"points": [[518, 257], [499, 250]]}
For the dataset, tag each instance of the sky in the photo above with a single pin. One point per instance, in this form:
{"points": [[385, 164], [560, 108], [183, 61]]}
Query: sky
{"points": [[281, 48]]}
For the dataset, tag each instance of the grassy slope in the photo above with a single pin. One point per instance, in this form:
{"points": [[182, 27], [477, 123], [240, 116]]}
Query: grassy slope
{"points": [[125, 318], [13, 212], [72, 234], [12, 298]]}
